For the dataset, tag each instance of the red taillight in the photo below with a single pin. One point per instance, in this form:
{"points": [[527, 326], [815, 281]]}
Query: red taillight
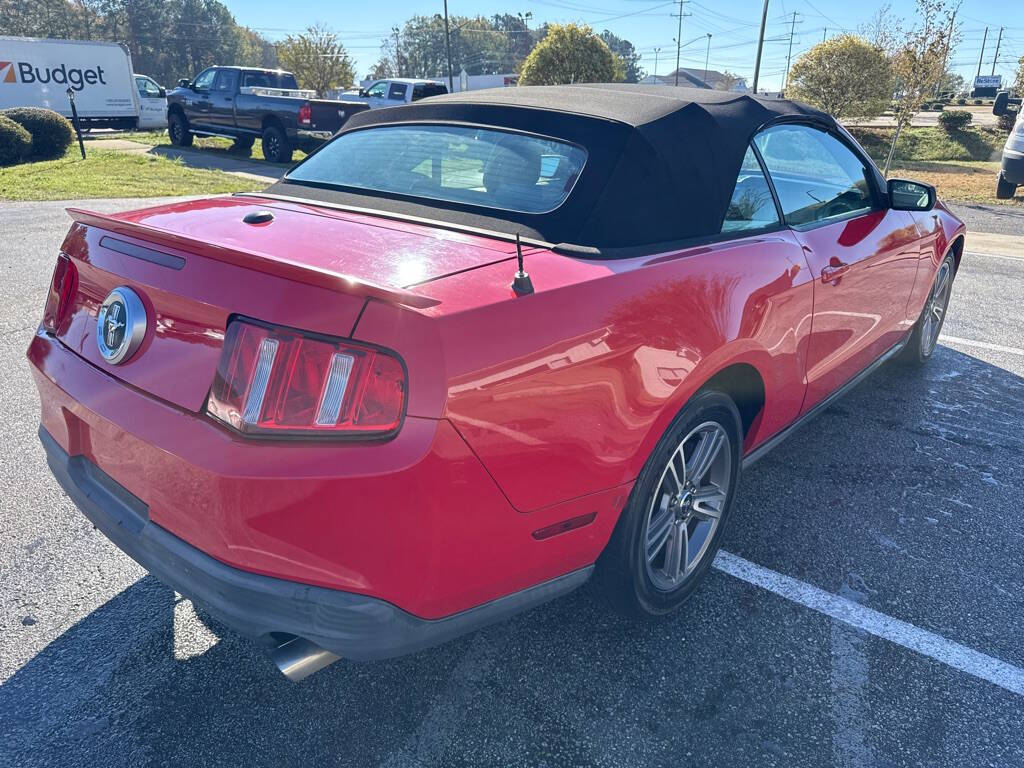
{"points": [[305, 114], [278, 381], [62, 289]]}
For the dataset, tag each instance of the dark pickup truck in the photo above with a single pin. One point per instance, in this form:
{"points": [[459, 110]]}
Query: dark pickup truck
{"points": [[245, 103]]}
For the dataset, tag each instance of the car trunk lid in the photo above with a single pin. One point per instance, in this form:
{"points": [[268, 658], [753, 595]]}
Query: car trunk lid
{"points": [[197, 263]]}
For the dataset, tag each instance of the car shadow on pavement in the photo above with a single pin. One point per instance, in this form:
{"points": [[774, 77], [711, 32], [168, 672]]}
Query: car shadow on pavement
{"points": [[213, 159], [737, 677]]}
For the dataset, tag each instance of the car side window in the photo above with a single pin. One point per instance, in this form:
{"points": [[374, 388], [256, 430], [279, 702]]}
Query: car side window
{"points": [[816, 176], [752, 206], [225, 82], [204, 80], [147, 88], [255, 80], [397, 92], [378, 91]]}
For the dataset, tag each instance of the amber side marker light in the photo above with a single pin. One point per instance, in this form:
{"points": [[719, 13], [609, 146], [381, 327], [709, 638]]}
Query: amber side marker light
{"points": [[565, 525], [62, 289], [278, 381]]}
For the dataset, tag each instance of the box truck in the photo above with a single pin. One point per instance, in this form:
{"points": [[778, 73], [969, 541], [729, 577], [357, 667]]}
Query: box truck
{"points": [[38, 73]]}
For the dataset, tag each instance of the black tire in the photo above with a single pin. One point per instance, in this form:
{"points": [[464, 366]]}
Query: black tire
{"points": [[925, 334], [625, 575], [242, 145], [276, 147], [1004, 189], [177, 129]]}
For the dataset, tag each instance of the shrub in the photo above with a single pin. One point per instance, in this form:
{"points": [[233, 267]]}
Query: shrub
{"points": [[926, 107], [961, 101], [978, 102], [51, 133], [15, 142], [954, 120], [1007, 120], [938, 107]]}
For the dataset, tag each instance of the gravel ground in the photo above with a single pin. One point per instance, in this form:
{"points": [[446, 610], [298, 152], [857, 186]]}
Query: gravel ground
{"points": [[905, 497]]}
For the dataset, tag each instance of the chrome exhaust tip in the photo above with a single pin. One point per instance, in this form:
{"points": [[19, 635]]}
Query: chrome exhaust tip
{"points": [[298, 658]]}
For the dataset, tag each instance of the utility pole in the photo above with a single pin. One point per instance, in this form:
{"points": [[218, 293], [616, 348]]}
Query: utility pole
{"points": [[448, 49], [679, 38], [996, 58], [656, 52], [824, 35], [982, 57], [707, 58], [398, 53], [789, 55], [760, 45]]}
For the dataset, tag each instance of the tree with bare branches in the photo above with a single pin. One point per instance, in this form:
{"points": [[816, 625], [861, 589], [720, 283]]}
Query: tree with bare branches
{"points": [[920, 62]]}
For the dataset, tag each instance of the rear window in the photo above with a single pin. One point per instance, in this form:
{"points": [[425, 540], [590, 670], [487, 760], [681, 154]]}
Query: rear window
{"points": [[423, 90], [458, 164], [269, 80]]}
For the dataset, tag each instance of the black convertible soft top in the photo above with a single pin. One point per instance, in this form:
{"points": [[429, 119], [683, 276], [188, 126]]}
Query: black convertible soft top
{"points": [[661, 167]]}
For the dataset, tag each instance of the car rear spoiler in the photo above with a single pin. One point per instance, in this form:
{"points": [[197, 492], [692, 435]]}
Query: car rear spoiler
{"points": [[271, 265]]}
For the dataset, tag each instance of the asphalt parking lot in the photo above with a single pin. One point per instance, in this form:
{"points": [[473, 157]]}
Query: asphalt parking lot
{"points": [[886, 541]]}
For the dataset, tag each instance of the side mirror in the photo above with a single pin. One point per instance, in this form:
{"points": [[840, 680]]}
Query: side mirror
{"points": [[907, 195], [163, 93], [184, 83], [1002, 104]]}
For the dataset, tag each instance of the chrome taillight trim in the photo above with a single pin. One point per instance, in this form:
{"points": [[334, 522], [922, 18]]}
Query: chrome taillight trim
{"points": [[258, 390], [334, 392]]}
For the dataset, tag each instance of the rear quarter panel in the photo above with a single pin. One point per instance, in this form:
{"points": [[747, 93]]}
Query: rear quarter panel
{"points": [[565, 392]]}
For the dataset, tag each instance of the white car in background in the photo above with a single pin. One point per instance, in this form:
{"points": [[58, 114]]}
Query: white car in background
{"points": [[152, 103]]}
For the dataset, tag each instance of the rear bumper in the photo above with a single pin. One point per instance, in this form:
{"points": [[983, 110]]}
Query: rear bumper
{"points": [[414, 522], [350, 625], [1013, 166]]}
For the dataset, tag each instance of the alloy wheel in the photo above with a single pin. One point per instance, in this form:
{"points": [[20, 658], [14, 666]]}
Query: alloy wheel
{"points": [[687, 506], [935, 309]]}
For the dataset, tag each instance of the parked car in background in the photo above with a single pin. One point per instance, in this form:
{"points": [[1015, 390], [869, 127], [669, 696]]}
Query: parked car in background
{"points": [[474, 351], [396, 91], [152, 104], [1011, 172], [245, 104], [37, 72]]}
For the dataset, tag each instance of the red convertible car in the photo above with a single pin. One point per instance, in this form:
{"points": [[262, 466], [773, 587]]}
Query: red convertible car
{"points": [[472, 352]]}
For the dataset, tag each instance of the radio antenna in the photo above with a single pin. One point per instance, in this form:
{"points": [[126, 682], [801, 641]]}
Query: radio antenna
{"points": [[521, 284]]}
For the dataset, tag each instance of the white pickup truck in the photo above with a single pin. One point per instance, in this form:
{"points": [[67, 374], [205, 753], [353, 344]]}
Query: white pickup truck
{"points": [[395, 91], [1011, 174]]}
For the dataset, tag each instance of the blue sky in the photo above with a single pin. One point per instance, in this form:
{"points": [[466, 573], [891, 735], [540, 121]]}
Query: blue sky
{"points": [[651, 24]]}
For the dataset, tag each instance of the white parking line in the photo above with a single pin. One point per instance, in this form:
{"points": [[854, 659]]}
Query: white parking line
{"points": [[981, 345], [878, 624]]}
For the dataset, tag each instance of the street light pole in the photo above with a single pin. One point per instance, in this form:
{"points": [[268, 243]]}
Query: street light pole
{"points": [[679, 38], [760, 45], [656, 52], [707, 58], [448, 49]]}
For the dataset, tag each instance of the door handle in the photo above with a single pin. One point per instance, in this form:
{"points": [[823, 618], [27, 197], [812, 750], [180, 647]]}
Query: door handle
{"points": [[834, 271]]}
